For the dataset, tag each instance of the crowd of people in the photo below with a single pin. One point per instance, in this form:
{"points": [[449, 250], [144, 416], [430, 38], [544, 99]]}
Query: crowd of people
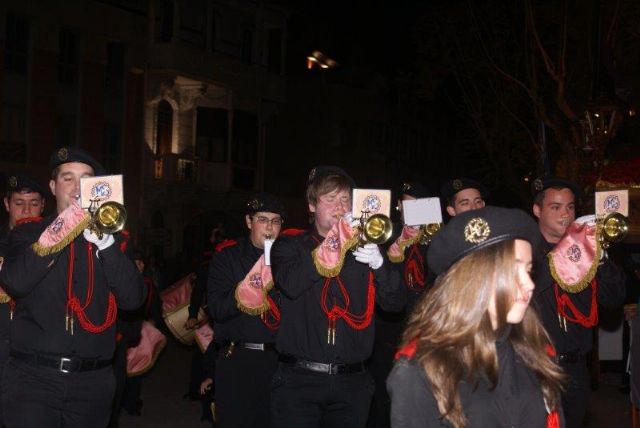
{"points": [[314, 327]]}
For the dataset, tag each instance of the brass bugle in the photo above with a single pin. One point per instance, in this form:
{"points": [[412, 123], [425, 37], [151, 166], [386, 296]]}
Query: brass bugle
{"points": [[429, 231], [376, 229], [614, 228], [109, 218]]}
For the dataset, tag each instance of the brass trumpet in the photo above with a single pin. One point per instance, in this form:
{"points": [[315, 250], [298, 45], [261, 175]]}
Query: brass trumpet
{"points": [[613, 229], [376, 229], [108, 218], [428, 231]]}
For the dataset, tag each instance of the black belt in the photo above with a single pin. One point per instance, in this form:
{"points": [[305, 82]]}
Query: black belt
{"points": [[326, 368], [570, 357], [63, 364], [250, 345]]}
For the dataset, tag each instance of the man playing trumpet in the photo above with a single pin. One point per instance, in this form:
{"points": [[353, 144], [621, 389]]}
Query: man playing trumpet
{"points": [[328, 296], [569, 314], [68, 285]]}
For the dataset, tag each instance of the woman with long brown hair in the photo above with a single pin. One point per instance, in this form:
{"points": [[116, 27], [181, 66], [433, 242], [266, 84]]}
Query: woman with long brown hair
{"points": [[472, 354]]}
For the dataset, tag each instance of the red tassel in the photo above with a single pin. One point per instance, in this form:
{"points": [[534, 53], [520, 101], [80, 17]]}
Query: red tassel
{"points": [[553, 419]]}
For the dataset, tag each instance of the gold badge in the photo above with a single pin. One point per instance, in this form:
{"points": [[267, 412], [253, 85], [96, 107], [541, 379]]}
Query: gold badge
{"points": [[537, 184], [254, 204], [406, 187], [477, 230], [457, 184], [63, 154], [12, 181]]}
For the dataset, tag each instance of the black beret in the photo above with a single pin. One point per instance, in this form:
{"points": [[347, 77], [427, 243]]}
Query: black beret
{"points": [[265, 202], [476, 229], [74, 154], [451, 187], [541, 184], [20, 182], [321, 171], [416, 190]]}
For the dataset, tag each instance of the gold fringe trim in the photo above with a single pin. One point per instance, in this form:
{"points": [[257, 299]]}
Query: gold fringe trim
{"points": [[42, 251], [151, 363], [334, 271], [403, 246], [602, 184], [253, 311], [586, 279], [4, 298]]}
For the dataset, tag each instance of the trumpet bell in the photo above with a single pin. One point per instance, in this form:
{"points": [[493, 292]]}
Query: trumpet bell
{"points": [[615, 228], [378, 229], [429, 231], [110, 217]]}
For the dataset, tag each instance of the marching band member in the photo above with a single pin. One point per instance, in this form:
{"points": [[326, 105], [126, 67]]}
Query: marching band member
{"points": [[463, 194], [570, 312], [68, 283], [473, 355], [328, 298], [242, 303]]}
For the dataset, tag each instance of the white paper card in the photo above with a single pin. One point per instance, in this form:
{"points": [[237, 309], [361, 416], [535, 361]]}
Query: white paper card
{"points": [[421, 211], [267, 251]]}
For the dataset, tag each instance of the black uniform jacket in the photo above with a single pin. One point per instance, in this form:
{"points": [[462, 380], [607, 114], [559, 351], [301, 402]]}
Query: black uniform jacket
{"points": [[227, 268], [4, 307], [39, 284], [611, 291], [303, 329], [516, 402]]}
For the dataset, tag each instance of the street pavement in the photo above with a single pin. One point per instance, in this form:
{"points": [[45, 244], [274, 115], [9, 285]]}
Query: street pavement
{"points": [[164, 406]]}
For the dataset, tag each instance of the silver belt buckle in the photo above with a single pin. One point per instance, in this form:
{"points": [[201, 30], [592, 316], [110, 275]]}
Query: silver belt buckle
{"points": [[64, 360], [255, 346]]}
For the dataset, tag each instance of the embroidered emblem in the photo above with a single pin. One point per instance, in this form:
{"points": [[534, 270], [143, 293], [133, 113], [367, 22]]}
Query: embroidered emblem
{"points": [[372, 203], [537, 184], [255, 280], [312, 175], [612, 203], [254, 204], [477, 230], [406, 187], [332, 243], [574, 253], [12, 181], [63, 154], [57, 224], [457, 184], [100, 191]]}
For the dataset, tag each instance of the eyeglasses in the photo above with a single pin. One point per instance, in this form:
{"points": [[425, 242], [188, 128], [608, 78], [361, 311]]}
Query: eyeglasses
{"points": [[276, 221]]}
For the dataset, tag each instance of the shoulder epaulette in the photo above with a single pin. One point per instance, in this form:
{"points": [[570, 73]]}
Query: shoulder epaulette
{"points": [[292, 232], [28, 220], [408, 350], [224, 244], [127, 236]]}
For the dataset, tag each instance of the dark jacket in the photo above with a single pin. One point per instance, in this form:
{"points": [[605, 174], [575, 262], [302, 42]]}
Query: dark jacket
{"points": [[516, 402], [610, 281], [303, 330], [39, 284]]}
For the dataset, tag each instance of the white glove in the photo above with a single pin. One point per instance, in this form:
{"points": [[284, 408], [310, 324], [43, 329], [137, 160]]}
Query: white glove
{"points": [[588, 219], [369, 254], [102, 243], [353, 222]]}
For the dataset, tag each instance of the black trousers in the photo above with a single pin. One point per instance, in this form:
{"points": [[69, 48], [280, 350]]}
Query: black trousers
{"points": [[576, 397], [4, 358], [301, 398], [35, 396], [242, 383]]}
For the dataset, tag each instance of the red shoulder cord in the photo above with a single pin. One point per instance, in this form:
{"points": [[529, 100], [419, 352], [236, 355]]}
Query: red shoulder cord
{"points": [[74, 307], [568, 311], [356, 322], [414, 269], [271, 318]]}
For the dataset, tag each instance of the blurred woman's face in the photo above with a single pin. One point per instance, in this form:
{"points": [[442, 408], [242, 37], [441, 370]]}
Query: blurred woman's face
{"points": [[523, 288]]}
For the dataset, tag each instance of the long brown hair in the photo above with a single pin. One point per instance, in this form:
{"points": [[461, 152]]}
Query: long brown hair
{"points": [[455, 337]]}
